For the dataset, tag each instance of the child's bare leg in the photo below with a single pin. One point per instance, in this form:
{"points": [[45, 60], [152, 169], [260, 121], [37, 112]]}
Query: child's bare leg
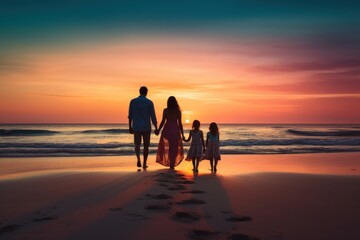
{"points": [[197, 164], [193, 163], [216, 162], [212, 164]]}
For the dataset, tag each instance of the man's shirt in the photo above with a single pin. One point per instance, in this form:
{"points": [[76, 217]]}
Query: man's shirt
{"points": [[141, 110]]}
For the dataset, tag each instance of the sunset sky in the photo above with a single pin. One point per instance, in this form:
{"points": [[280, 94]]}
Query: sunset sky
{"points": [[250, 61]]}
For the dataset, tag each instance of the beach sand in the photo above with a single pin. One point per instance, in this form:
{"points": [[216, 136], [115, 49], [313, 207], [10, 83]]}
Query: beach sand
{"points": [[300, 196]]}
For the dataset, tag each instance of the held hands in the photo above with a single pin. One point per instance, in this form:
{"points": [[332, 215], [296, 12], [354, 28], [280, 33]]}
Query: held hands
{"points": [[183, 137], [131, 130], [156, 131]]}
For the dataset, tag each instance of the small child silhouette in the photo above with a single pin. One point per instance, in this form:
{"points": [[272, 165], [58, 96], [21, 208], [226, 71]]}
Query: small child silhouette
{"points": [[197, 146], [213, 146]]}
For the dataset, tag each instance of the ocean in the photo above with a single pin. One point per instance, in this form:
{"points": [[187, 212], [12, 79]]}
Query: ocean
{"points": [[29, 140]]}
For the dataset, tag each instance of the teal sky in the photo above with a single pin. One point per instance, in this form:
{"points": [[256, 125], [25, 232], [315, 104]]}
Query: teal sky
{"points": [[27, 23]]}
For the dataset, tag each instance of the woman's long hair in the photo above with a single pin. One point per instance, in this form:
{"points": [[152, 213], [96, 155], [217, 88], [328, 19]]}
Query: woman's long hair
{"points": [[172, 104]]}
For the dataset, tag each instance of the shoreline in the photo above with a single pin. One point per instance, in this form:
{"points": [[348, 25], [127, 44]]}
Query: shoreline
{"points": [[331, 163], [267, 197], [154, 153]]}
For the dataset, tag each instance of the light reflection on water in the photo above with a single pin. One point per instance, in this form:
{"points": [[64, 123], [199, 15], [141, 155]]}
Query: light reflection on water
{"points": [[230, 165]]}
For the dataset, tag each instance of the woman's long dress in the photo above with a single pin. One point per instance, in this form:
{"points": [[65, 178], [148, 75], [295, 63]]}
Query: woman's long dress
{"points": [[170, 150]]}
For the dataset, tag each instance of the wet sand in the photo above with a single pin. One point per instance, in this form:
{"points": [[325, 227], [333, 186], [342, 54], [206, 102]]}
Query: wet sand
{"points": [[305, 196]]}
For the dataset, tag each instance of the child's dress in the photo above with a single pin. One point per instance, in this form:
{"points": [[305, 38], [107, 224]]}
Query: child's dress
{"points": [[213, 147], [196, 147]]}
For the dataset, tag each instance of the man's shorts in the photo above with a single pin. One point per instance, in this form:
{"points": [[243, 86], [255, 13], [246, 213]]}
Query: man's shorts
{"points": [[144, 134]]}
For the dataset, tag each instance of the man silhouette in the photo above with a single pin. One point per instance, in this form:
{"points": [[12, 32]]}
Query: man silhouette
{"points": [[141, 111]]}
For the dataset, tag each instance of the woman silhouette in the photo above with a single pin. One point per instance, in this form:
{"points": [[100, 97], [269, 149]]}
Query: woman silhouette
{"points": [[170, 150]]}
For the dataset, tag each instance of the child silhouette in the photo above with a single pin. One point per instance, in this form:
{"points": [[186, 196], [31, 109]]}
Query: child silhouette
{"points": [[213, 146], [197, 146]]}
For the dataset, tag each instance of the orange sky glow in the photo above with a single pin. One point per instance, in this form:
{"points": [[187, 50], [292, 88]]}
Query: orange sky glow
{"points": [[218, 80]]}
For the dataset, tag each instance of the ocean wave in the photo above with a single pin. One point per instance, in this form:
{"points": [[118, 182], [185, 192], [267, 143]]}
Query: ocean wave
{"points": [[98, 140], [334, 133], [26, 152], [106, 131], [291, 141], [44, 132], [224, 143], [277, 127], [26, 132], [289, 150], [43, 152], [68, 145]]}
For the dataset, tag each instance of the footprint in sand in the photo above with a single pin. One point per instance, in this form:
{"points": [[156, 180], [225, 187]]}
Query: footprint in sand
{"points": [[9, 228], [46, 218], [158, 196], [163, 174], [158, 208], [191, 201], [165, 180], [177, 188], [186, 216], [194, 191], [239, 219], [185, 182]]}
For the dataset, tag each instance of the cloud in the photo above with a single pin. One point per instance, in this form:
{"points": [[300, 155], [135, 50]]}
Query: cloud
{"points": [[331, 110], [327, 63], [314, 87], [57, 95], [319, 64]]}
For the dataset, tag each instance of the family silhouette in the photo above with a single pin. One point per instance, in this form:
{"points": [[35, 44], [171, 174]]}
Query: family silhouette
{"points": [[170, 151]]}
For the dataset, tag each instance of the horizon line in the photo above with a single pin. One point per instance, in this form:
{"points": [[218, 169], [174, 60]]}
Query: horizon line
{"points": [[79, 123]]}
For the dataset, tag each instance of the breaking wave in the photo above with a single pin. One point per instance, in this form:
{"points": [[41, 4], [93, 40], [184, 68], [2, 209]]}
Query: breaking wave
{"points": [[44, 132], [334, 133], [26, 132]]}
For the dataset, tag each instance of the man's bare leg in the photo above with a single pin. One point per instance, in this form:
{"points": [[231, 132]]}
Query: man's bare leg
{"points": [[137, 141], [146, 138]]}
